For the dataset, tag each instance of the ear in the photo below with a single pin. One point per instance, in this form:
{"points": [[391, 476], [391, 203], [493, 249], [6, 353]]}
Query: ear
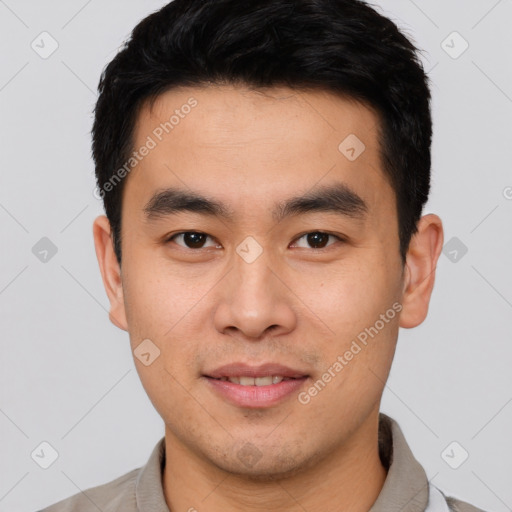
{"points": [[420, 269], [110, 271]]}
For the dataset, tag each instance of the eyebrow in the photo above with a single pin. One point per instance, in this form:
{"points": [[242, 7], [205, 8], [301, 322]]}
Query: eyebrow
{"points": [[336, 198]]}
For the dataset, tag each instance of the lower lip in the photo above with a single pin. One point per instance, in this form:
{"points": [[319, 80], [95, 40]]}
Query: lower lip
{"points": [[256, 396]]}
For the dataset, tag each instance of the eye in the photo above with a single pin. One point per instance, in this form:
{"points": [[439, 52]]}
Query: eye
{"points": [[316, 239], [192, 240]]}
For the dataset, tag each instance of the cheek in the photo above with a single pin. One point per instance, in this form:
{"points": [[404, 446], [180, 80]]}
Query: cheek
{"points": [[350, 296], [163, 307], [157, 299]]}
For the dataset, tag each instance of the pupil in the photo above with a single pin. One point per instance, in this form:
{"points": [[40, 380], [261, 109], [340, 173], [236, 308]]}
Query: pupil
{"points": [[194, 240], [318, 239]]}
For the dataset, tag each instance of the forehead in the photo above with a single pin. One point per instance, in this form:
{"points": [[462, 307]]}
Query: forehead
{"points": [[244, 146]]}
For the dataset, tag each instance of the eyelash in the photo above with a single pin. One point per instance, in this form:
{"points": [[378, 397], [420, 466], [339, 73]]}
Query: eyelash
{"points": [[339, 238]]}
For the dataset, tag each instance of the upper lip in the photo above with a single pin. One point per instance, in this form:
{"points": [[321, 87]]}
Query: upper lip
{"points": [[264, 370]]}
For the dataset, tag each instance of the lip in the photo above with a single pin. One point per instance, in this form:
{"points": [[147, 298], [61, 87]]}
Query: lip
{"points": [[264, 370], [254, 397]]}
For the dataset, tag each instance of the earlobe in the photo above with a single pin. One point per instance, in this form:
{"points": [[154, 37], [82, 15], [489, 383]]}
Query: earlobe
{"points": [[419, 275], [110, 271]]}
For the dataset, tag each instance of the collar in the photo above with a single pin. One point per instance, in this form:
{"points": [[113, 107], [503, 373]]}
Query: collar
{"points": [[149, 491], [406, 486]]}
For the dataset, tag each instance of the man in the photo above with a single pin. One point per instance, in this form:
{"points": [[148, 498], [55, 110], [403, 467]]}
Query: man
{"points": [[263, 167]]}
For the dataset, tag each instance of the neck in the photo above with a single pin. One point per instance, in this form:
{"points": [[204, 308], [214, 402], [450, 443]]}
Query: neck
{"points": [[351, 477]]}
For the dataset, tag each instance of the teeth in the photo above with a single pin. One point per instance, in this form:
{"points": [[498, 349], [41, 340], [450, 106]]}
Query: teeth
{"points": [[263, 381], [256, 381]]}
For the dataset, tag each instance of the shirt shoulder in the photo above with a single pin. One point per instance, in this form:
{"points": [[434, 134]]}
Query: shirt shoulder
{"points": [[119, 494], [139, 489]]}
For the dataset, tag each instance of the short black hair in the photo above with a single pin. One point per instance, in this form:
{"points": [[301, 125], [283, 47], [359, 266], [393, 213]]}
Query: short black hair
{"points": [[341, 46]]}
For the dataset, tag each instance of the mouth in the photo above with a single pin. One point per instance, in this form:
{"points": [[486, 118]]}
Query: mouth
{"points": [[255, 381], [255, 387]]}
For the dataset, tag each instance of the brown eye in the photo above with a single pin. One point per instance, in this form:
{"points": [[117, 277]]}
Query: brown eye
{"points": [[194, 240], [316, 240], [191, 239]]}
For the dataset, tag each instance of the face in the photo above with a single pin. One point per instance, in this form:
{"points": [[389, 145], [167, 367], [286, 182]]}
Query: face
{"points": [[261, 265]]}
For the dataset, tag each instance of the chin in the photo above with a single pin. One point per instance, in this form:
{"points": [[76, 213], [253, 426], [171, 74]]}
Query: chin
{"points": [[267, 473]]}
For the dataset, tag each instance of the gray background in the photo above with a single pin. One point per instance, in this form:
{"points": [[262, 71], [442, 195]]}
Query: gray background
{"points": [[67, 376]]}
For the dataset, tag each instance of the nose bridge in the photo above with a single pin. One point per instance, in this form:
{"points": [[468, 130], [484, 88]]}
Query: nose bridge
{"points": [[253, 294], [254, 299], [252, 280]]}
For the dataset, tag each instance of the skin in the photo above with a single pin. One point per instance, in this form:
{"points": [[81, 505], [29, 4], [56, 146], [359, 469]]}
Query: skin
{"points": [[296, 305]]}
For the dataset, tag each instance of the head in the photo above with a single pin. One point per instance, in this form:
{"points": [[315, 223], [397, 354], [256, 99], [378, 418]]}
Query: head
{"points": [[263, 167]]}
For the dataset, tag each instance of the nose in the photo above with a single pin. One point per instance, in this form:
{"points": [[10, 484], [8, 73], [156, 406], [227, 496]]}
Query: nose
{"points": [[254, 302]]}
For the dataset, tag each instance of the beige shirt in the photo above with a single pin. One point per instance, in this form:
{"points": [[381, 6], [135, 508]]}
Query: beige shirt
{"points": [[406, 488]]}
